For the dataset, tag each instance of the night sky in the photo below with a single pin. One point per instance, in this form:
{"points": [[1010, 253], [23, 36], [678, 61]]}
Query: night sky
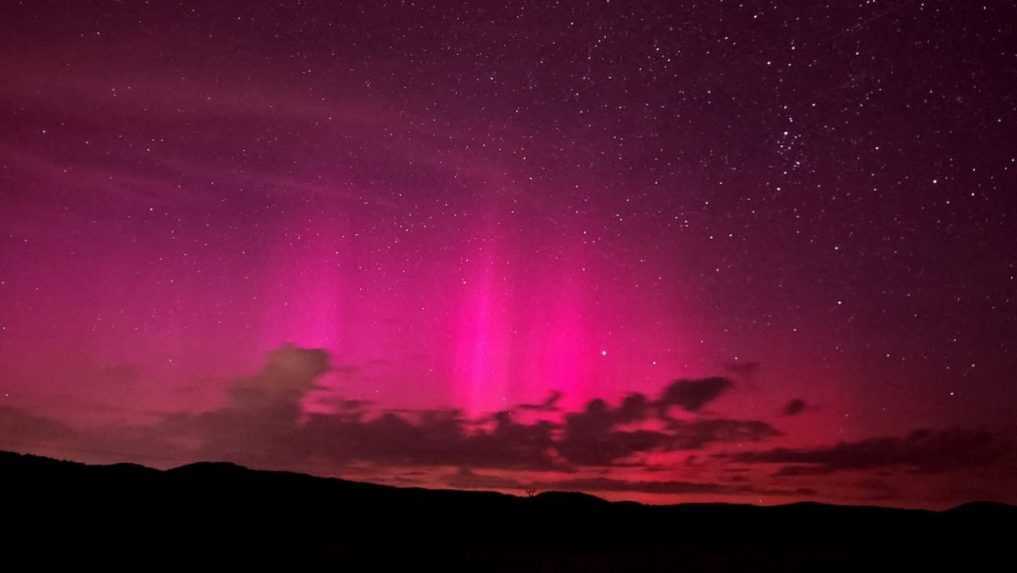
{"points": [[757, 252]]}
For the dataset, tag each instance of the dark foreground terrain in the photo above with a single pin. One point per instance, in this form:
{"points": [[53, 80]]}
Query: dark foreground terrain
{"points": [[217, 512]]}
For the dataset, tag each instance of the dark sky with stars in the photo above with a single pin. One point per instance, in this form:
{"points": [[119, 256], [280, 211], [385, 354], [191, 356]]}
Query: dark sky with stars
{"points": [[664, 251]]}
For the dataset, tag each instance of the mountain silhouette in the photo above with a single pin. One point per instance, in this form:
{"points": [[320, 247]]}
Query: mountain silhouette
{"points": [[243, 515]]}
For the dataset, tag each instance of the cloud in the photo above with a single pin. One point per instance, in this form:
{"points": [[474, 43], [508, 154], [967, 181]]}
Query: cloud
{"points": [[550, 404], [431, 438], [692, 395], [19, 429], [794, 407], [288, 375], [590, 437], [634, 407], [260, 424], [922, 451], [699, 433], [596, 436], [264, 425]]}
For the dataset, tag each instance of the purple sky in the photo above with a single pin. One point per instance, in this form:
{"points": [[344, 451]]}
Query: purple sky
{"points": [[470, 209]]}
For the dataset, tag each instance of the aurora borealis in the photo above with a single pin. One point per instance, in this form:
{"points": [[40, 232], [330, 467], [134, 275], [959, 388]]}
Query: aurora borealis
{"points": [[756, 252]]}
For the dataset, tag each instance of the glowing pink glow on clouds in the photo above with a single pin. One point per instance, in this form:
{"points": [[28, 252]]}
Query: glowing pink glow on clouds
{"points": [[473, 207]]}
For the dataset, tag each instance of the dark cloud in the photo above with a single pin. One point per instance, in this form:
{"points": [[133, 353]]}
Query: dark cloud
{"points": [[598, 434], [699, 433], [289, 374], [794, 407], [264, 425], [590, 437], [634, 407], [353, 407], [692, 395], [260, 425], [550, 404], [924, 451], [431, 438], [19, 429], [594, 436]]}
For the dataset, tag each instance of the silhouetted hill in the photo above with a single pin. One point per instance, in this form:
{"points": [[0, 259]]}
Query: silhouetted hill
{"points": [[241, 514]]}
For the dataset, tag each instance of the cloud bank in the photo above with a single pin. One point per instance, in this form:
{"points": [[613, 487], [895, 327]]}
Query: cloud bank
{"points": [[605, 448]]}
